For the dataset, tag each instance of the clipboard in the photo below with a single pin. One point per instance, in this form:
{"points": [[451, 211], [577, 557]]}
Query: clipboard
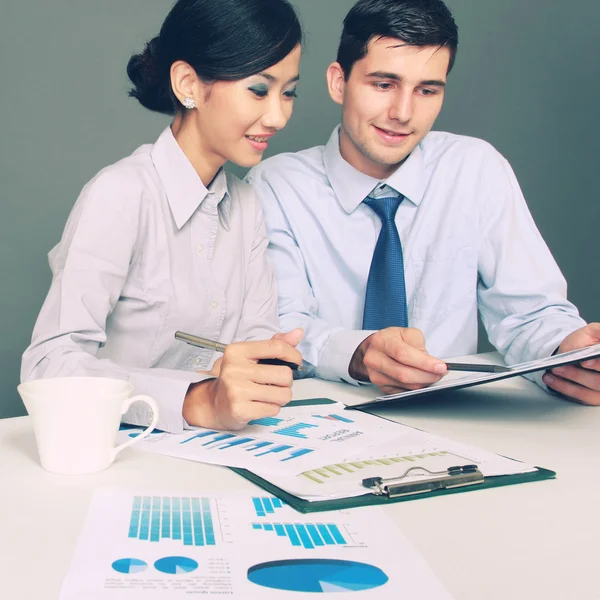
{"points": [[465, 381], [386, 491], [400, 488]]}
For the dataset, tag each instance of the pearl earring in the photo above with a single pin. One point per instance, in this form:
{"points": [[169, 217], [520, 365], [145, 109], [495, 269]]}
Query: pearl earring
{"points": [[189, 103]]}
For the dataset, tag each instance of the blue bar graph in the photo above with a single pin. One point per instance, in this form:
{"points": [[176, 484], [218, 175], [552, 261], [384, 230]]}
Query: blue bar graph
{"points": [[297, 453], [234, 443], [308, 535], [266, 421], [266, 506], [222, 441], [258, 446], [275, 449], [199, 435], [188, 520], [334, 417], [293, 430]]}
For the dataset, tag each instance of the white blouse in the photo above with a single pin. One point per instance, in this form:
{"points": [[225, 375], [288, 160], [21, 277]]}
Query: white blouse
{"points": [[149, 250]]}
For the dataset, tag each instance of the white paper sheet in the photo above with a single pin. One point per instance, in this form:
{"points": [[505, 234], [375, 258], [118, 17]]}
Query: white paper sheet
{"points": [[298, 439], [141, 545], [411, 448]]}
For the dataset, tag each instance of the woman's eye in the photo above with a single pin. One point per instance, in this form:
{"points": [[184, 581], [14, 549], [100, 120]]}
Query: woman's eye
{"points": [[259, 92], [291, 94]]}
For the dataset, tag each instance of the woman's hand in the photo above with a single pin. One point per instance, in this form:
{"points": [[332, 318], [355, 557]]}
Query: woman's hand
{"points": [[244, 390]]}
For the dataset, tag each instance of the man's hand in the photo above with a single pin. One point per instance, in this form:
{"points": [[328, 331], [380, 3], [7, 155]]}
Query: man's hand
{"points": [[580, 383], [395, 359], [245, 390]]}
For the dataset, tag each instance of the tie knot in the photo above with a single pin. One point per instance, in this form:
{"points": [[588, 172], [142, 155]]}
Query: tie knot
{"points": [[385, 208]]}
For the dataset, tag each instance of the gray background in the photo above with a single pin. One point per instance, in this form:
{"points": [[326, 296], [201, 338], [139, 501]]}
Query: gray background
{"points": [[526, 80]]}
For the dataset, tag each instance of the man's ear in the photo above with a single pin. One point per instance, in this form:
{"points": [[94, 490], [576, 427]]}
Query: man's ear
{"points": [[336, 82]]}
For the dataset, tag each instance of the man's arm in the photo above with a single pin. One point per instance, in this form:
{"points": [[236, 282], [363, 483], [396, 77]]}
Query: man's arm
{"points": [[522, 293], [393, 358]]}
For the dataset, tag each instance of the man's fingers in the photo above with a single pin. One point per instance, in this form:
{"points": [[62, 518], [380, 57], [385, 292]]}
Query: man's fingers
{"points": [[410, 356], [392, 386], [594, 364], [571, 390], [584, 377], [400, 372]]}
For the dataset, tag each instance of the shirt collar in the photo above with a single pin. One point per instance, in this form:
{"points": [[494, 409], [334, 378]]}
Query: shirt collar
{"points": [[184, 188], [351, 186]]}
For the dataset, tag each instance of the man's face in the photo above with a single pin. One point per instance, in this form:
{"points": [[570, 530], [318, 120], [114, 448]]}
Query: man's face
{"points": [[389, 103]]}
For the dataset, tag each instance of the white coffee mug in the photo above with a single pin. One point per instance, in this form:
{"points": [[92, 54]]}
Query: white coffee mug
{"points": [[76, 419]]}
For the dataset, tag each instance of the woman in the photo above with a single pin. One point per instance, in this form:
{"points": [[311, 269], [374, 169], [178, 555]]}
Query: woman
{"points": [[164, 240]]}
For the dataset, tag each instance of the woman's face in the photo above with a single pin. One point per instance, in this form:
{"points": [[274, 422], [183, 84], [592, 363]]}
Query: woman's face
{"points": [[236, 119]]}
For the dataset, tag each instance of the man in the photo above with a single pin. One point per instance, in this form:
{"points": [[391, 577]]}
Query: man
{"points": [[389, 239]]}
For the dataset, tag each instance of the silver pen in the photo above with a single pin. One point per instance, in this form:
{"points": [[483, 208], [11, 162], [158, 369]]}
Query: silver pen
{"points": [[194, 340]]}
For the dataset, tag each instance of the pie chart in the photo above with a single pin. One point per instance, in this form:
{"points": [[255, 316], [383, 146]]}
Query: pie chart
{"points": [[129, 565], [175, 565], [317, 575]]}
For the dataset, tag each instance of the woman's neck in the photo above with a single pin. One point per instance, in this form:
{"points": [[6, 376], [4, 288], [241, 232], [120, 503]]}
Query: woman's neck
{"points": [[205, 163]]}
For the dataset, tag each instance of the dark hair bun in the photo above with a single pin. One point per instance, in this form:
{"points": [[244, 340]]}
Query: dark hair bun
{"points": [[151, 86], [222, 40]]}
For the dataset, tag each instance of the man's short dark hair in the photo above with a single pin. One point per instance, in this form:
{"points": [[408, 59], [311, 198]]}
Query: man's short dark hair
{"points": [[415, 22]]}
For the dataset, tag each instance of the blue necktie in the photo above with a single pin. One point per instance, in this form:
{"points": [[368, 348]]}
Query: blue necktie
{"points": [[385, 301]]}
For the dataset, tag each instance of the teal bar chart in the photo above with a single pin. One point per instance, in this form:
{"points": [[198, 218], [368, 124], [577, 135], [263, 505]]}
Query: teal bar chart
{"points": [[306, 535], [188, 520]]}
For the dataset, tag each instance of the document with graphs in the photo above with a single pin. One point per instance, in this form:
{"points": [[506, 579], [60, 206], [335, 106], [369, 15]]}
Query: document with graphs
{"points": [[153, 545], [300, 437]]}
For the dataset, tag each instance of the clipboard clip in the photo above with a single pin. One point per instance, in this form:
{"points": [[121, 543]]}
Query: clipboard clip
{"points": [[452, 477]]}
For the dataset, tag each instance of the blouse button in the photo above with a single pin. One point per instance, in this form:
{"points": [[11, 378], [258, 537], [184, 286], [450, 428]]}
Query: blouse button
{"points": [[214, 305], [199, 249]]}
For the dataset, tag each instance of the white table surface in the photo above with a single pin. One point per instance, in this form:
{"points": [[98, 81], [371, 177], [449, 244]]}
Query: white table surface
{"points": [[536, 540]]}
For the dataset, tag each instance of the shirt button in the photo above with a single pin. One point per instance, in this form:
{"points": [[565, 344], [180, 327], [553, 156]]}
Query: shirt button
{"points": [[198, 361], [199, 249], [214, 305]]}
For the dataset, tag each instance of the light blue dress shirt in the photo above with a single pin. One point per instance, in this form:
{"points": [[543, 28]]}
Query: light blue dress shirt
{"points": [[149, 250], [468, 239]]}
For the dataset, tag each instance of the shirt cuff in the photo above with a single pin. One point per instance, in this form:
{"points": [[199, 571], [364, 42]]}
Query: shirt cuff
{"points": [[168, 393], [547, 350], [335, 358]]}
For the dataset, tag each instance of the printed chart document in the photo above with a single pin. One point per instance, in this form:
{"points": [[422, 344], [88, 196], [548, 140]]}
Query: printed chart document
{"points": [[299, 438], [413, 454], [138, 545], [457, 380]]}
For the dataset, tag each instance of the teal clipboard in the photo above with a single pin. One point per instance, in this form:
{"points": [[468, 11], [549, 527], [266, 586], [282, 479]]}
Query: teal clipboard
{"points": [[370, 498]]}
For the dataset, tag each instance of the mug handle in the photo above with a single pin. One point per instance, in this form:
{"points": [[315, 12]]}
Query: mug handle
{"points": [[147, 431]]}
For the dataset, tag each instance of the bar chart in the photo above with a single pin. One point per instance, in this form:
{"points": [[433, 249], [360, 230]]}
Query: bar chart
{"points": [[154, 518], [266, 506], [307, 535], [294, 430], [266, 421], [334, 417], [433, 461], [257, 448]]}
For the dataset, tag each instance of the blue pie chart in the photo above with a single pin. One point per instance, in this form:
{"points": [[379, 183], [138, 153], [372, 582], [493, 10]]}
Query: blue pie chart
{"points": [[129, 565], [317, 575], [175, 565]]}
